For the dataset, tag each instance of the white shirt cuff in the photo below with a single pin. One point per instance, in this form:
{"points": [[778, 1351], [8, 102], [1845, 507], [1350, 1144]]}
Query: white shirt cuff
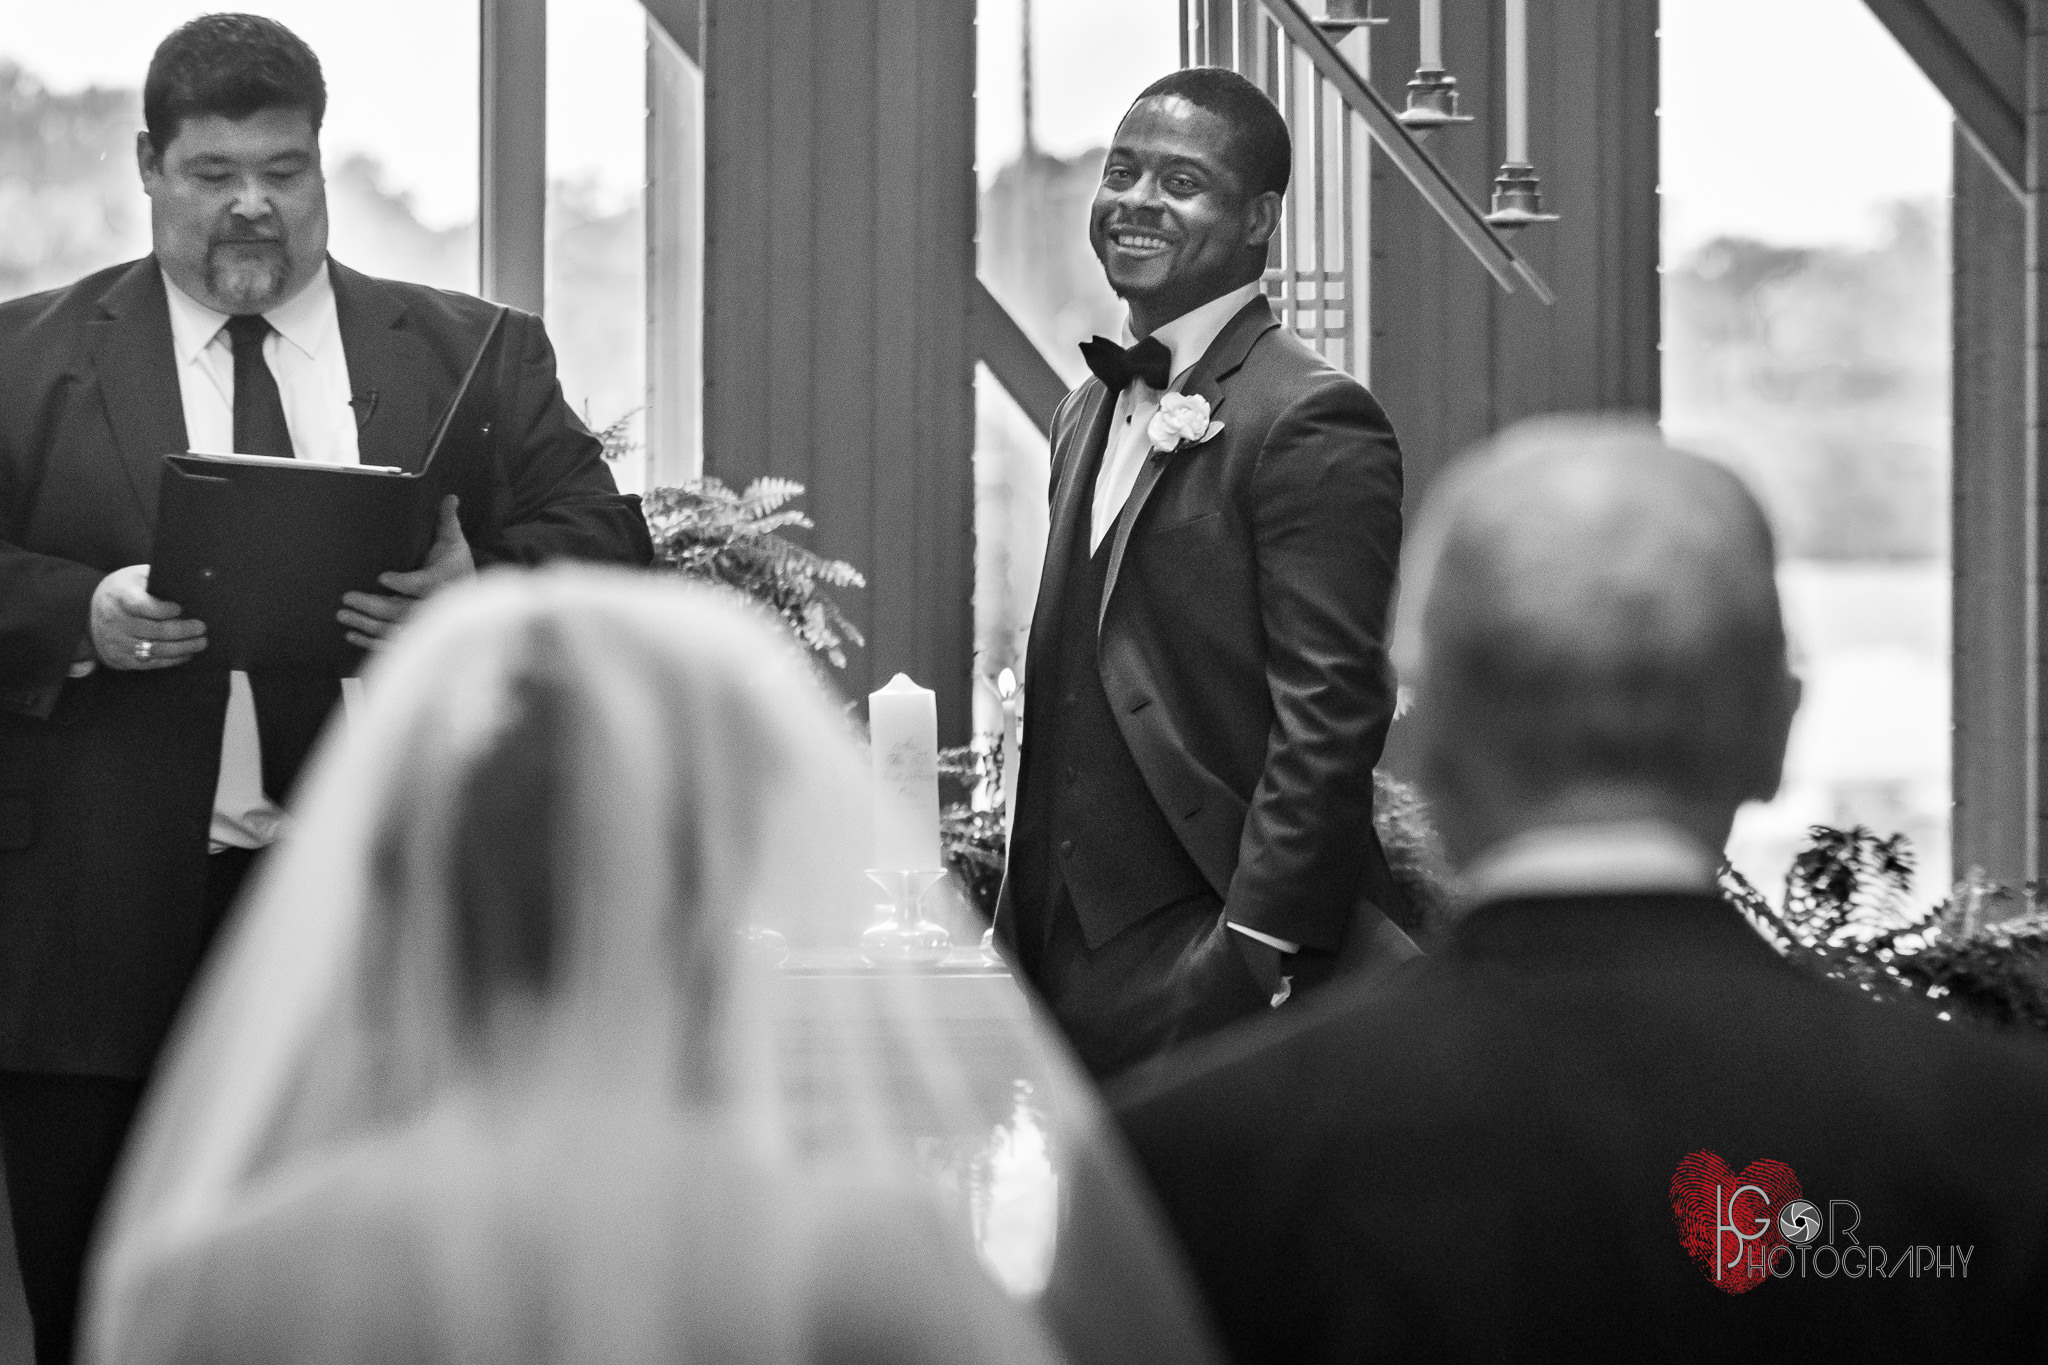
{"points": [[1282, 944]]}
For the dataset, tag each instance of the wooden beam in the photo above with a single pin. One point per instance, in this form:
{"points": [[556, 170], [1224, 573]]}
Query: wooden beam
{"points": [[1015, 360], [1974, 51], [1988, 540], [513, 163], [683, 22]]}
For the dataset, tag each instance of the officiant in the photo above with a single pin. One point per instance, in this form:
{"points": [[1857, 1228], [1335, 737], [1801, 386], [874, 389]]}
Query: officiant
{"points": [[139, 782]]}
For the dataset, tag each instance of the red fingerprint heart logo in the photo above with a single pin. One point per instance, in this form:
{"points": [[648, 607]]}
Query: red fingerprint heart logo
{"points": [[1728, 1221]]}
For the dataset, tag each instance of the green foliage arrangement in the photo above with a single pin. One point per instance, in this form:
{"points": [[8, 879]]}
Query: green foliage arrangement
{"points": [[1846, 918], [971, 834], [705, 530], [1415, 853]]}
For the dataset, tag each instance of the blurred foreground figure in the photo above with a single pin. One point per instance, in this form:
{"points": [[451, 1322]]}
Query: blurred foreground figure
{"points": [[485, 1073], [1606, 1120]]}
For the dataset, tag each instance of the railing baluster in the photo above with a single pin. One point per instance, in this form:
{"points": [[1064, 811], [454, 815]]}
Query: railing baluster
{"points": [[1356, 349], [1268, 76], [1322, 263], [1318, 270], [1282, 77]]}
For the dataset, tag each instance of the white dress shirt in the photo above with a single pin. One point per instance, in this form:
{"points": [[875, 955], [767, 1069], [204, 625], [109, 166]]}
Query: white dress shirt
{"points": [[305, 357], [1187, 338]]}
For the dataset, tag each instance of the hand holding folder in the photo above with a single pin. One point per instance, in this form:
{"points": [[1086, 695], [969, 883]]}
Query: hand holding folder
{"points": [[371, 618], [263, 550]]}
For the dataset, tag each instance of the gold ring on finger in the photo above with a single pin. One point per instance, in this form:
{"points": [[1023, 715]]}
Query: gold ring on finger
{"points": [[143, 649]]}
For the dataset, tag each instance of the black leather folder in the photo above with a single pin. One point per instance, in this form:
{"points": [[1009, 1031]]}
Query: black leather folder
{"points": [[261, 548]]}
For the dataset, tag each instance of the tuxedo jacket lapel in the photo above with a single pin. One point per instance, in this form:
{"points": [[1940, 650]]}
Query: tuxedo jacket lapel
{"points": [[134, 362], [1222, 360], [387, 366], [1075, 462]]}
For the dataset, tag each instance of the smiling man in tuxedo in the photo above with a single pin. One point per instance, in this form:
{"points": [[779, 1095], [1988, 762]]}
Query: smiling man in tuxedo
{"points": [[1207, 688], [137, 782]]}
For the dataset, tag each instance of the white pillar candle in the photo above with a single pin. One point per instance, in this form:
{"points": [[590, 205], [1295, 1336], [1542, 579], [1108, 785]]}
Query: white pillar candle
{"points": [[1517, 74], [1432, 58], [903, 732], [1006, 686]]}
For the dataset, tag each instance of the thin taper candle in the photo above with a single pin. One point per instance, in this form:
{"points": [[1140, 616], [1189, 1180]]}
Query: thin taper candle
{"points": [[1518, 81], [1432, 57]]}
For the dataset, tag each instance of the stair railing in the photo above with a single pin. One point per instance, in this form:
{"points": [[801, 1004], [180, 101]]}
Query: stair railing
{"points": [[1317, 276]]}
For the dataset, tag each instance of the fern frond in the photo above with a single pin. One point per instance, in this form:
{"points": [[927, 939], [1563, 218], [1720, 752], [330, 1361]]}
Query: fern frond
{"points": [[704, 530], [767, 493]]}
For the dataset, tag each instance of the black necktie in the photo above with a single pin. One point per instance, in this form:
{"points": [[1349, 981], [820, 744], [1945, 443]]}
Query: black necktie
{"points": [[259, 412], [1149, 360], [290, 708]]}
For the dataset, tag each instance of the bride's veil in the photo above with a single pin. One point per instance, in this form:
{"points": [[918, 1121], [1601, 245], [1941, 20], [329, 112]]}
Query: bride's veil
{"points": [[701, 797]]}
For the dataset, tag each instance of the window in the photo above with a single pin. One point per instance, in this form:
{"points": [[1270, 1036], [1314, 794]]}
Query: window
{"points": [[1044, 112], [400, 136], [596, 299], [1806, 343]]}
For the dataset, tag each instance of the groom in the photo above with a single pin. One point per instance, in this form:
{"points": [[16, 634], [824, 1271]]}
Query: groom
{"points": [[1207, 686]]}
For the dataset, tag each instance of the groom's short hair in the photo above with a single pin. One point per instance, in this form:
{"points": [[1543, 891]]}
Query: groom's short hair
{"points": [[1261, 149]]}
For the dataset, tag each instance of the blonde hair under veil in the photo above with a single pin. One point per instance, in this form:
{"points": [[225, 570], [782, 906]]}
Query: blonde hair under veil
{"points": [[515, 892]]}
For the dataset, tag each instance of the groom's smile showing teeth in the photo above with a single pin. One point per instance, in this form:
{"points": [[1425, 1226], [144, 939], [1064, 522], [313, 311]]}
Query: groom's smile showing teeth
{"points": [[1130, 239]]}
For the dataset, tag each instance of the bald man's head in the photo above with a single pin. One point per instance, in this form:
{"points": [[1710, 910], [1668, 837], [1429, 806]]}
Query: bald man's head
{"points": [[1590, 621]]}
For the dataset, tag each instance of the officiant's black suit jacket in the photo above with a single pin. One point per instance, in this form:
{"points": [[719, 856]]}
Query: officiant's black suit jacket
{"points": [[1240, 637], [107, 781], [1477, 1165]]}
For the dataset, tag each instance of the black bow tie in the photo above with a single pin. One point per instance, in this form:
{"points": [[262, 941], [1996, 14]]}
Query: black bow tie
{"points": [[1149, 360]]}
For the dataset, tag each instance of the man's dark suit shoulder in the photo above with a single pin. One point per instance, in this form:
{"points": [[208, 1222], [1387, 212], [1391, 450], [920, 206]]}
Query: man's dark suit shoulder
{"points": [[1286, 387], [450, 322], [1488, 1148], [435, 308], [36, 328], [53, 305]]}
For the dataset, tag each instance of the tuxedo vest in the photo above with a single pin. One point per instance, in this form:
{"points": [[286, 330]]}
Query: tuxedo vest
{"points": [[1112, 846]]}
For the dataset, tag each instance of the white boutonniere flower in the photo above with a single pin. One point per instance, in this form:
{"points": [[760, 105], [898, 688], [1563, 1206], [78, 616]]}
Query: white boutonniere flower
{"points": [[1182, 420]]}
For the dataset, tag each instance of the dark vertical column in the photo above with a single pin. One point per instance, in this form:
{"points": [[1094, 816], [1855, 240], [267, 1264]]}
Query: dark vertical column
{"points": [[2036, 391], [1431, 324], [513, 162], [944, 277], [1455, 359], [1631, 252], [838, 277], [1988, 540]]}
